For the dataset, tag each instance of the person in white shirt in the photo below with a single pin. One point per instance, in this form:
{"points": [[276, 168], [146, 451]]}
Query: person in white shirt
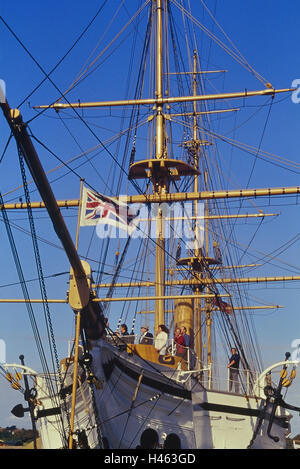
{"points": [[161, 339]]}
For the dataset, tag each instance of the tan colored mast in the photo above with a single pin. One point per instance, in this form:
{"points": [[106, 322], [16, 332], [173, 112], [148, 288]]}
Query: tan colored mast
{"points": [[198, 345], [159, 188]]}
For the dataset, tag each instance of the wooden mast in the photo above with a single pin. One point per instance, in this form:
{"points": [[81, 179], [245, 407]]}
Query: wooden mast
{"points": [[198, 341], [160, 186]]}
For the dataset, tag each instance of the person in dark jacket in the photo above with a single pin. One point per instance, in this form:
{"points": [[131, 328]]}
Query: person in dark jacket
{"points": [[146, 336], [233, 366], [124, 329], [179, 342], [124, 332]]}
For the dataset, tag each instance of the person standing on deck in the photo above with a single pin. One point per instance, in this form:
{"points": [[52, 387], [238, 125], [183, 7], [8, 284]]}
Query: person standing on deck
{"points": [[146, 336], [124, 329], [124, 339], [161, 339], [187, 339], [179, 342], [233, 366]]}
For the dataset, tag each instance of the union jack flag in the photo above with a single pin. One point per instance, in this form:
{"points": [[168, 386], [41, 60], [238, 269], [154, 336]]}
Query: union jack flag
{"points": [[97, 208]]}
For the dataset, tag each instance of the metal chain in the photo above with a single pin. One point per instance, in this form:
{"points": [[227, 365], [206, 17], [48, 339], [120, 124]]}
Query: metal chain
{"points": [[40, 271]]}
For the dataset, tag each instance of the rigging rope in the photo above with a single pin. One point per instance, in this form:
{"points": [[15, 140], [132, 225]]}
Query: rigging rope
{"points": [[238, 57], [39, 264], [64, 56], [48, 320], [6, 146], [29, 308], [80, 78]]}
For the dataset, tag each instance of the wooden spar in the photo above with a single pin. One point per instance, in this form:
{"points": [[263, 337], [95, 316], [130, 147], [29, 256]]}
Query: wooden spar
{"points": [[235, 308], [76, 202], [211, 195], [159, 101], [169, 297], [165, 297], [201, 72], [177, 197], [245, 308], [241, 266], [39, 205], [202, 113], [107, 300], [219, 267], [201, 281]]}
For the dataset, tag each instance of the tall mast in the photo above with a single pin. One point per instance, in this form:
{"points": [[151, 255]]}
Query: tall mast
{"points": [[207, 304], [196, 155], [159, 153], [197, 301], [160, 186]]}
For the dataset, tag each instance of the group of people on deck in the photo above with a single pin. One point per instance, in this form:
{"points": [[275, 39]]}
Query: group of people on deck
{"points": [[181, 339], [182, 342]]}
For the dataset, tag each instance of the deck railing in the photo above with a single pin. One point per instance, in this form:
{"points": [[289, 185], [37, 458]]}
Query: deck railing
{"points": [[221, 380]]}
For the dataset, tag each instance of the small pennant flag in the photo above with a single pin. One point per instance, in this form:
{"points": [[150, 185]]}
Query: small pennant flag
{"points": [[97, 208], [222, 305]]}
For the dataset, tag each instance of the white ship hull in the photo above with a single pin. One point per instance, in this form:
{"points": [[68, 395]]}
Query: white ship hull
{"points": [[203, 419]]}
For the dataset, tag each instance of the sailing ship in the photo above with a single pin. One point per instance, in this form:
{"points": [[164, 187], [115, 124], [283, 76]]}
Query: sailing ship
{"points": [[178, 225]]}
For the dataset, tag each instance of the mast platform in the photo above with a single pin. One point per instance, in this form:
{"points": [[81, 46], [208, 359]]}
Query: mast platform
{"points": [[197, 263], [161, 168]]}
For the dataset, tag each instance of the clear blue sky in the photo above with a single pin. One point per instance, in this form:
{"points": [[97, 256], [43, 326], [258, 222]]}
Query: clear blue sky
{"points": [[268, 36]]}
